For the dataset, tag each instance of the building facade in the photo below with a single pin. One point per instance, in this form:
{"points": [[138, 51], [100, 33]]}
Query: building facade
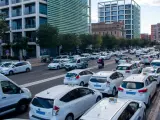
{"points": [[155, 32], [115, 29], [70, 16], [23, 18], [145, 36], [127, 11]]}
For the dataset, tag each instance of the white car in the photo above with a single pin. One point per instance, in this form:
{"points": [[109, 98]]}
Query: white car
{"points": [[139, 64], [5, 64], [138, 87], [127, 69], [63, 102], [74, 56], [146, 59], [95, 56], [106, 82], [56, 64], [12, 96], [87, 55], [78, 77], [16, 67], [155, 72], [116, 109]]}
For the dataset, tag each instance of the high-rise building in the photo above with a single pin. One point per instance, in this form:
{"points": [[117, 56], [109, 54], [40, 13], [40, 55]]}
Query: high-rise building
{"points": [[155, 32], [127, 11], [25, 16], [70, 16]]}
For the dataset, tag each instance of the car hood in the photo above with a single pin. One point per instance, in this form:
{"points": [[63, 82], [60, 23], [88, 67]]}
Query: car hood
{"points": [[53, 64], [4, 68]]}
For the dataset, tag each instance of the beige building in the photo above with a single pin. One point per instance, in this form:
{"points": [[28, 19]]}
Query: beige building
{"points": [[115, 29]]}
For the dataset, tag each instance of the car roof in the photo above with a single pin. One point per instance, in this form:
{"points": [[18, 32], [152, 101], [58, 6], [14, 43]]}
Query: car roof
{"points": [[76, 71], [105, 110], [56, 91], [125, 64], [156, 61], [136, 78], [104, 73], [137, 61]]}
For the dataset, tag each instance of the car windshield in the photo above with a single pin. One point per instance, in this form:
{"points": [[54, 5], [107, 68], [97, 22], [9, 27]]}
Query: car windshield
{"points": [[155, 63], [43, 102], [71, 75], [98, 79], [123, 68], [55, 61], [73, 61], [58, 57], [5, 64], [64, 57], [132, 85]]}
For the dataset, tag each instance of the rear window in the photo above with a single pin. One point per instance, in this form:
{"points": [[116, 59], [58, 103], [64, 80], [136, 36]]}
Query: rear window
{"points": [[148, 70], [71, 75], [42, 102], [132, 85], [99, 79], [123, 68], [155, 63]]}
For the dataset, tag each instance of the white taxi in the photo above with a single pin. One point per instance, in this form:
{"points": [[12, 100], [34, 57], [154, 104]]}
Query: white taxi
{"points": [[116, 109], [106, 82], [78, 77], [56, 64], [138, 87], [127, 69], [63, 102]]}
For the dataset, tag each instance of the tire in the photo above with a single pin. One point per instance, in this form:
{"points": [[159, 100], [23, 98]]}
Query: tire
{"points": [[58, 67], [81, 83], [114, 92], [28, 70], [149, 102], [22, 106], [98, 99], [69, 117], [11, 72]]}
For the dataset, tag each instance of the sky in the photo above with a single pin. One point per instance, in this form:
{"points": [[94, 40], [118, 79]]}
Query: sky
{"points": [[150, 13]]}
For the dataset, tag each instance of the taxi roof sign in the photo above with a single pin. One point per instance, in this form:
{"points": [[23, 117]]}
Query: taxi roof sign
{"points": [[112, 99]]}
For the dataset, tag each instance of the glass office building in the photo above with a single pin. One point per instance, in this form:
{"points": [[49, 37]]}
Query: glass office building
{"points": [[70, 16], [126, 11]]}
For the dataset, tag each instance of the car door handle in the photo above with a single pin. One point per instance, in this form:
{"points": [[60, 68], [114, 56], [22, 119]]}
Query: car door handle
{"points": [[3, 97]]}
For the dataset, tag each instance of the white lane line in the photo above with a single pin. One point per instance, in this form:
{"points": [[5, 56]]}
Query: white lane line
{"points": [[53, 78]]}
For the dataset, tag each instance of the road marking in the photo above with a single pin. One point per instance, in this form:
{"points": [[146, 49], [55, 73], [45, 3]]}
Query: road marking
{"points": [[56, 77]]}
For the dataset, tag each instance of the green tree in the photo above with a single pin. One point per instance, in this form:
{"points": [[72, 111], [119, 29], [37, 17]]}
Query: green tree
{"points": [[69, 41], [96, 41], [86, 40], [47, 36]]}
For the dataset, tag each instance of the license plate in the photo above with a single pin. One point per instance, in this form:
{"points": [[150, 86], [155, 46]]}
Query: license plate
{"points": [[131, 93], [40, 112], [97, 85]]}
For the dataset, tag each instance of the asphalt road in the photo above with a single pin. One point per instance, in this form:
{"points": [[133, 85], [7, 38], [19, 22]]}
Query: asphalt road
{"points": [[37, 80]]}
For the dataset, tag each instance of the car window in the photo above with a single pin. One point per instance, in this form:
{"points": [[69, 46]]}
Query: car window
{"points": [[72, 95], [71, 75], [158, 70], [88, 72], [78, 61], [98, 79], [84, 91], [9, 88], [18, 64], [114, 76], [132, 85], [120, 74], [23, 63], [129, 111], [82, 73], [43, 102], [150, 78], [123, 68]]}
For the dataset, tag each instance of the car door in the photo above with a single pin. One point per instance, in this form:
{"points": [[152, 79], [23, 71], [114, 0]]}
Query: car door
{"points": [[132, 112], [153, 84], [120, 78], [17, 68], [89, 98], [114, 80], [9, 97], [134, 69], [73, 103], [88, 75], [23, 66]]}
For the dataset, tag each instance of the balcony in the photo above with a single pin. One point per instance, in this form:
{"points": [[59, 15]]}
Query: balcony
{"points": [[4, 2], [30, 26], [16, 12], [16, 1], [16, 27], [29, 9]]}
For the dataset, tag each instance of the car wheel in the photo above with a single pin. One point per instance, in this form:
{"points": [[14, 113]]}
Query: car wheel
{"points": [[69, 117], [28, 70], [82, 83], [58, 67], [22, 106], [114, 92], [149, 102], [98, 99], [11, 73]]}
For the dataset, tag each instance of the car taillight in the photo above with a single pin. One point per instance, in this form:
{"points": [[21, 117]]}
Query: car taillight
{"points": [[143, 90], [120, 89], [77, 77], [56, 110], [127, 71]]}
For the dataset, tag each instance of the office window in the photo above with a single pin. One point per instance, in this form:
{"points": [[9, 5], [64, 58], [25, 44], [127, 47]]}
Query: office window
{"points": [[43, 8], [42, 20], [128, 22], [108, 18], [107, 9], [101, 13], [127, 26], [121, 17], [127, 6], [101, 19], [121, 12], [29, 9], [101, 9], [113, 8], [107, 14], [121, 7], [114, 18], [114, 13]]}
